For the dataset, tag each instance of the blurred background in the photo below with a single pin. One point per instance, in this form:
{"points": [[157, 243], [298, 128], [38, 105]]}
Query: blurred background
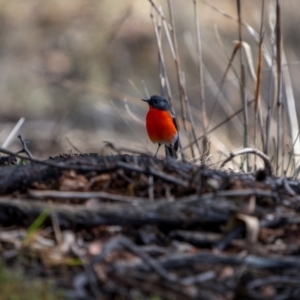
{"points": [[70, 67]]}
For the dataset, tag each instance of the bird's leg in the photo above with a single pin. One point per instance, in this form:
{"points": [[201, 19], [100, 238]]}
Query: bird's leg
{"points": [[157, 150]]}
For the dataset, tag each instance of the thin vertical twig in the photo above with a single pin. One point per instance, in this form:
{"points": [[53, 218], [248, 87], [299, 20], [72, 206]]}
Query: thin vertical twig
{"points": [[253, 76], [272, 90], [161, 66], [258, 75], [201, 83], [290, 104], [164, 81], [177, 62], [291, 160], [243, 81], [182, 92], [278, 95], [200, 68]]}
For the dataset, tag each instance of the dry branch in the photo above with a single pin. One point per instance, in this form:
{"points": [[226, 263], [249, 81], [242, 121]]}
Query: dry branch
{"points": [[177, 214]]}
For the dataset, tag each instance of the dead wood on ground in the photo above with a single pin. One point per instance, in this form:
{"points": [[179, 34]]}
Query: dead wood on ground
{"points": [[122, 224]]}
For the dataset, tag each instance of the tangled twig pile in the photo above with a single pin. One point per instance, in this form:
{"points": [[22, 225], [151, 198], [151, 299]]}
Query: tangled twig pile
{"points": [[131, 225]]}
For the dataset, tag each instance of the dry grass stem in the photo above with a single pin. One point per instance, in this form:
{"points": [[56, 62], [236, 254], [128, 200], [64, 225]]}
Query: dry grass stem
{"points": [[243, 81], [258, 79], [205, 147], [279, 144], [13, 133]]}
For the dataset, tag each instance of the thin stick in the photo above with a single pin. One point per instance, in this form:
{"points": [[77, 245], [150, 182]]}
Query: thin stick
{"points": [[271, 90], [292, 154], [201, 82], [253, 76], [81, 195], [177, 63], [72, 145], [258, 74], [290, 103], [185, 106], [221, 123], [24, 145], [131, 113], [278, 96], [13, 133], [126, 122], [164, 80], [250, 29], [236, 48], [265, 158], [163, 74], [243, 80], [259, 63], [192, 134], [269, 60]]}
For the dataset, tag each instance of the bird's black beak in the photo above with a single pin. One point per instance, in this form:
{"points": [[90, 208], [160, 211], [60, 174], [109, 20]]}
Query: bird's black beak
{"points": [[146, 100]]}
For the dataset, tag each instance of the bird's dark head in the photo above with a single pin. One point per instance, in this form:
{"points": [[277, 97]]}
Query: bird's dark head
{"points": [[158, 102]]}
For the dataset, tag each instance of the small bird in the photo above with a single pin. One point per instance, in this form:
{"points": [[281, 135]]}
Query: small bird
{"points": [[161, 125]]}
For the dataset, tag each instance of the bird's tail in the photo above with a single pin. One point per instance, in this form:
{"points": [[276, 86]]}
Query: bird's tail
{"points": [[170, 151]]}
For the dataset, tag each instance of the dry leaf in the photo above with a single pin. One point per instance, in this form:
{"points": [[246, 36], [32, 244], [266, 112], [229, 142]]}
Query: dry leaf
{"points": [[70, 181], [100, 182], [252, 227]]}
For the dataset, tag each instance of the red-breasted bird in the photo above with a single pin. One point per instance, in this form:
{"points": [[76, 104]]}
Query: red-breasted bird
{"points": [[161, 125]]}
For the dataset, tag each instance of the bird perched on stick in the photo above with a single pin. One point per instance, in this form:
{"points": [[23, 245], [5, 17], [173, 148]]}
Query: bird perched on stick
{"points": [[161, 125]]}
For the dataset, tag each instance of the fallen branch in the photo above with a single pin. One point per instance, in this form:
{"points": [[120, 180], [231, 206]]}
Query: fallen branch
{"points": [[177, 214], [187, 260]]}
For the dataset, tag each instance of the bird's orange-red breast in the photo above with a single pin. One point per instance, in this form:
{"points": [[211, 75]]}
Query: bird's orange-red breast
{"points": [[161, 124]]}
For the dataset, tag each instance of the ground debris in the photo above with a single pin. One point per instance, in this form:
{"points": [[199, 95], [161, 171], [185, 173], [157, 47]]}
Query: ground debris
{"points": [[123, 225]]}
